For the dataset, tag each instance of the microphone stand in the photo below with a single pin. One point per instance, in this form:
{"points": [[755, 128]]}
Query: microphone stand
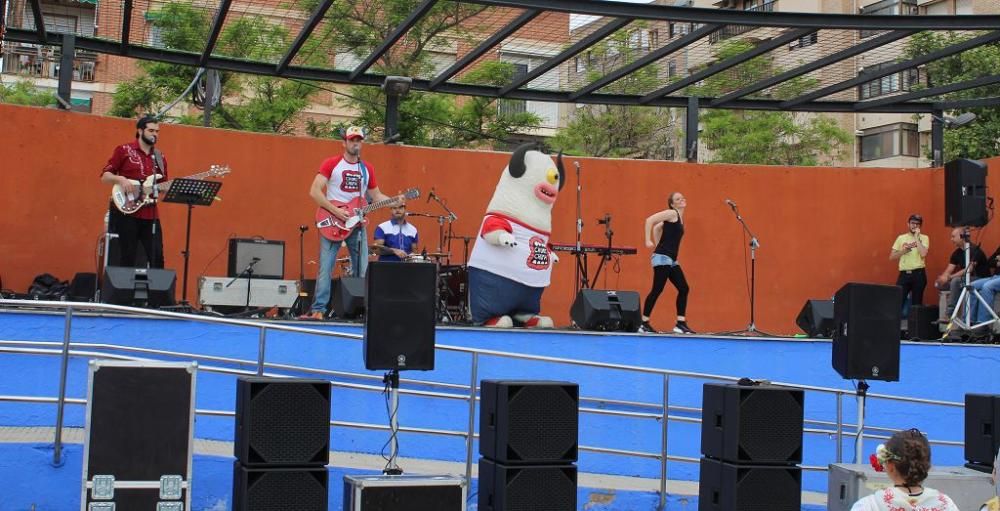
{"points": [[451, 217], [248, 271], [751, 329], [581, 259]]}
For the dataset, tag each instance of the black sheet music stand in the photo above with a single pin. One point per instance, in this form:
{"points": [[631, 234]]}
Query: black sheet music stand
{"points": [[193, 192]]}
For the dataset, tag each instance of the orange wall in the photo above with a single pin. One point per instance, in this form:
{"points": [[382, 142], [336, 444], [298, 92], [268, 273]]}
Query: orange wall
{"points": [[818, 227]]}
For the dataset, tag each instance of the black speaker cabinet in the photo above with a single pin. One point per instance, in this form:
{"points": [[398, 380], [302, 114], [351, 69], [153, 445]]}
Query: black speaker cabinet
{"points": [[982, 418], [400, 316], [965, 193], [83, 287], [348, 298], [270, 255], [404, 493], [280, 488], [282, 421], [816, 318], [606, 310], [529, 421], [731, 487], [140, 287], [866, 338], [920, 323], [526, 487], [752, 424]]}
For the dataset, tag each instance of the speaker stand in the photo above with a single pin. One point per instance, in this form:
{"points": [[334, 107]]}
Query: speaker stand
{"points": [[966, 297], [862, 393], [391, 380]]}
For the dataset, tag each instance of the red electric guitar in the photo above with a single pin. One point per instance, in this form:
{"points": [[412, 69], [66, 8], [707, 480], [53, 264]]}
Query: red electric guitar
{"points": [[333, 229]]}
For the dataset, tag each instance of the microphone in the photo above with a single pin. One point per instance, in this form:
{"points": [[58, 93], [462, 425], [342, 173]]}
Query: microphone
{"points": [[303, 228], [731, 204], [577, 164], [256, 259], [430, 196]]}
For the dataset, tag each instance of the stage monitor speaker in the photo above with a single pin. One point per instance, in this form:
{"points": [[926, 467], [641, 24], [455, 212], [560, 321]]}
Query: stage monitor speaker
{"points": [[270, 252], [921, 322], [140, 287], [529, 421], [83, 288], [400, 316], [732, 487], [606, 310], [348, 298], [866, 335], [982, 420], [409, 493], [526, 487], [280, 488], [282, 421], [752, 424], [816, 318], [965, 193]]}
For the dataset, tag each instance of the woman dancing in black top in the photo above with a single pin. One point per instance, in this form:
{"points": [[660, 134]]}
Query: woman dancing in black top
{"points": [[664, 231]]}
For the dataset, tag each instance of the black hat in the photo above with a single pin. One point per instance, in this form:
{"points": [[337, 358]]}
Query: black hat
{"points": [[916, 218]]}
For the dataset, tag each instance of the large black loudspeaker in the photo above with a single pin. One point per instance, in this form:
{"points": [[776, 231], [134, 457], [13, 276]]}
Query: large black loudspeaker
{"points": [[982, 420], [965, 193], [138, 287], [348, 298], [529, 421], [816, 318], [270, 255], [282, 422], [920, 323], [866, 339], [526, 487], [607, 310], [732, 487], [280, 488], [400, 316], [752, 424]]}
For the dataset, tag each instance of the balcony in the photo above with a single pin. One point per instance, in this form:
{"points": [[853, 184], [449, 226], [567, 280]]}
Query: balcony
{"points": [[34, 61], [729, 31]]}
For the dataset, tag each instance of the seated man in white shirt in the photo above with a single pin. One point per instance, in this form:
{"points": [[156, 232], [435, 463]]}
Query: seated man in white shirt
{"points": [[395, 238]]}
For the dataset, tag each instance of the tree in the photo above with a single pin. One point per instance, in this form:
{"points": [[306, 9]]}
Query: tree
{"points": [[23, 92], [980, 139], [765, 137], [618, 130], [425, 118], [256, 103]]}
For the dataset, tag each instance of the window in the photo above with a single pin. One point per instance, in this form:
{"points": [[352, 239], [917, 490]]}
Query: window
{"points": [[888, 7], [671, 69], [806, 40], [901, 81], [678, 29], [901, 139]]}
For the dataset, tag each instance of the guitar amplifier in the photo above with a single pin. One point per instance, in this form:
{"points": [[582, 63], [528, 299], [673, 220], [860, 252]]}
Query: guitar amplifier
{"points": [[270, 255], [217, 291]]}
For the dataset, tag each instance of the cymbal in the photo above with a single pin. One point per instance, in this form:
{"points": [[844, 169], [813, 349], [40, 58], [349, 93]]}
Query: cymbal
{"points": [[436, 254]]}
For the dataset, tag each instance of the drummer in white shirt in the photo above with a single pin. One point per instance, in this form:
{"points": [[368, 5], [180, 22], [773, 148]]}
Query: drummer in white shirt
{"points": [[395, 239]]}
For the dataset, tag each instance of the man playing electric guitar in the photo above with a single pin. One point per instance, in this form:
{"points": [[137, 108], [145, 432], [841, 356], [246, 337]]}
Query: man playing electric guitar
{"points": [[344, 178], [137, 160]]}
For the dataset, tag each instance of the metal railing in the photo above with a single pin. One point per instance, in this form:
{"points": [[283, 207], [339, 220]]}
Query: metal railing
{"points": [[656, 411], [31, 60]]}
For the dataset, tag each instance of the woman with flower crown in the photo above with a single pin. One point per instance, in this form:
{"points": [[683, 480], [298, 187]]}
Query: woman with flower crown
{"points": [[906, 459]]}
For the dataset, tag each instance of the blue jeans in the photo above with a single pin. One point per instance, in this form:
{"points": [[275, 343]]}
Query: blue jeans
{"points": [[491, 295], [328, 257], [987, 287], [662, 260]]}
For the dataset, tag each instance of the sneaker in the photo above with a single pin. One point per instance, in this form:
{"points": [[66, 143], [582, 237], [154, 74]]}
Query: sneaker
{"points": [[682, 328], [646, 328], [312, 315]]}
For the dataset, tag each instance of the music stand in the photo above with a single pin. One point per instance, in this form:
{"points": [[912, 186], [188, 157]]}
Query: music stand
{"points": [[193, 192]]}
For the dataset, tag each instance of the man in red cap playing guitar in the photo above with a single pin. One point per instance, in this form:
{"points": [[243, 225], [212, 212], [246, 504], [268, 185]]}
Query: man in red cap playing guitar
{"points": [[341, 180]]}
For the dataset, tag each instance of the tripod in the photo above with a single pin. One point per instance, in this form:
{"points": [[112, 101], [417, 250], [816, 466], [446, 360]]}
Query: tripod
{"points": [[751, 329], [391, 380], [966, 296]]}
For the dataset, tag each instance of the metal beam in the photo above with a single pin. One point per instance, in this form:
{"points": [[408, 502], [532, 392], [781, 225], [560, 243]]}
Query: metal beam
{"points": [[41, 34], [213, 35], [691, 131], [895, 68], [869, 44], [304, 34], [718, 67], [968, 103], [484, 47], [126, 25], [647, 59], [68, 53], [740, 17], [588, 41], [396, 35], [937, 138], [934, 91]]}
